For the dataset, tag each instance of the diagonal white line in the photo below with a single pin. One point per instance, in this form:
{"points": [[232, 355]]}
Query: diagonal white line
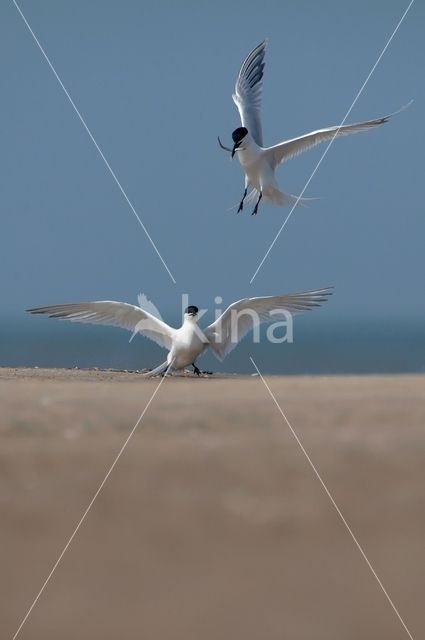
{"points": [[331, 498], [360, 91], [83, 517], [94, 141]]}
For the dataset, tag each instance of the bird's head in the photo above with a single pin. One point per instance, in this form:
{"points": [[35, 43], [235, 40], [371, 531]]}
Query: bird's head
{"points": [[191, 313], [238, 136]]}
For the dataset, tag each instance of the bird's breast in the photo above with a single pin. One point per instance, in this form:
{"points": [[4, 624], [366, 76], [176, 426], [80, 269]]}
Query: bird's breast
{"points": [[187, 345], [249, 156]]}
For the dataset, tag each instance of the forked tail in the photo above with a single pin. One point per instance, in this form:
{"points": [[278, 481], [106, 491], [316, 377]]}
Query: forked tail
{"points": [[286, 199], [279, 197]]}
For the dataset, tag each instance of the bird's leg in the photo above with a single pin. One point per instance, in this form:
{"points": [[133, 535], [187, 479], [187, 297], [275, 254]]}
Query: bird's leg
{"points": [[243, 198], [254, 213], [199, 372]]}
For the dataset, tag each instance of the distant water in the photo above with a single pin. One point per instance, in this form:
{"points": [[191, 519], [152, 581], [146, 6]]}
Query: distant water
{"points": [[319, 348]]}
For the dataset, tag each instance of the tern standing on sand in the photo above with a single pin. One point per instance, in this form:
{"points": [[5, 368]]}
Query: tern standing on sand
{"points": [[259, 162], [188, 342]]}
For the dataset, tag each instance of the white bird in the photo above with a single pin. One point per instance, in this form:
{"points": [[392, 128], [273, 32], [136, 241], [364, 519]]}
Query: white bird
{"points": [[186, 344], [259, 162]]}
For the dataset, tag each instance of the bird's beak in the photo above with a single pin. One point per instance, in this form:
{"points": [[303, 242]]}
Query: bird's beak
{"points": [[236, 147]]}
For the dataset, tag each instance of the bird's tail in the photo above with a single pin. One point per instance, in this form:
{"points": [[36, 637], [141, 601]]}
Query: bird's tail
{"points": [[155, 372], [278, 197], [285, 199]]}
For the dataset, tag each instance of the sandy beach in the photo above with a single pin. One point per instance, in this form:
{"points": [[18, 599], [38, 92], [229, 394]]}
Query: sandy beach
{"points": [[212, 524]]}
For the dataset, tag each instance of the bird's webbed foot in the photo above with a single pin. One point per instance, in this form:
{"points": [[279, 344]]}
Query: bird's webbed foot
{"points": [[254, 213], [198, 372], [241, 202]]}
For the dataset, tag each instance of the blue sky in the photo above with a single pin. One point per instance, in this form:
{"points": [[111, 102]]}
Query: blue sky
{"points": [[154, 81]]}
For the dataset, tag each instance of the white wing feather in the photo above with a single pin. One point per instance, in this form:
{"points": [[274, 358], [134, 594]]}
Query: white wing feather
{"points": [[248, 88], [229, 329], [116, 314], [290, 148]]}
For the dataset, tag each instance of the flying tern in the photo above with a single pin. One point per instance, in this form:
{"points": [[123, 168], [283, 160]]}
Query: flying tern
{"points": [[259, 162], [186, 344]]}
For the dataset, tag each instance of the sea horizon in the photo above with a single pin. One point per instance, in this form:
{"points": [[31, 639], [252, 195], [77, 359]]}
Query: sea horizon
{"points": [[321, 346]]}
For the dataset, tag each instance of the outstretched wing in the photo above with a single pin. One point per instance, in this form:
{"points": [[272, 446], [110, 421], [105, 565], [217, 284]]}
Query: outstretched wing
{"points": [[248, 88], [242, 316], [116, 314], [289, 148]]}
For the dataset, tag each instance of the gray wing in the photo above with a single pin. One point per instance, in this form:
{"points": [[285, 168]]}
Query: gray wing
{"points": [[241, 316], [116, 314], [248, 88], [290, 148]]}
